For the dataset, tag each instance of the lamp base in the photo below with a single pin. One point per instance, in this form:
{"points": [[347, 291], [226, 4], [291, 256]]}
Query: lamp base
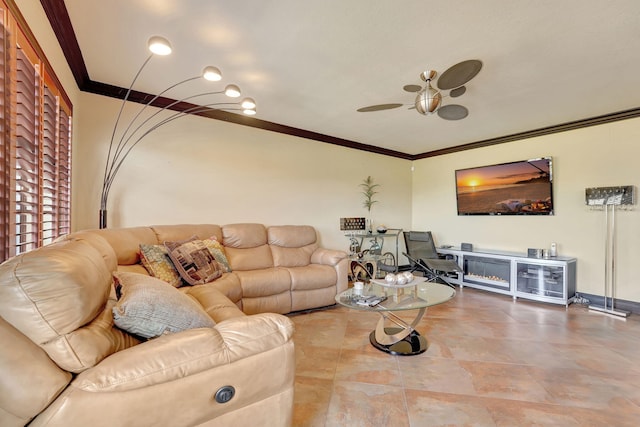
{"points": [[103, 218], [609, 310]]}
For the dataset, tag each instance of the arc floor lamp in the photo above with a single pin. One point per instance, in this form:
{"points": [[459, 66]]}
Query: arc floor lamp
{"points": [[138, 128]]}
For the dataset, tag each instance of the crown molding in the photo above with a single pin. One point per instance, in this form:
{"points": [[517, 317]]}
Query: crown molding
{"points": [[58, 16]]}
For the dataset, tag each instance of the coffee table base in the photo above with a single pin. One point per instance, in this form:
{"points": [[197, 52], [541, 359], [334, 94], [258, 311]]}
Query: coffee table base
{"points": [[412, 344]]}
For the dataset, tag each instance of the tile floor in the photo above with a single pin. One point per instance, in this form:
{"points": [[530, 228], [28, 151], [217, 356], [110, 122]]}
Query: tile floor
{"points": [[490, 362]]}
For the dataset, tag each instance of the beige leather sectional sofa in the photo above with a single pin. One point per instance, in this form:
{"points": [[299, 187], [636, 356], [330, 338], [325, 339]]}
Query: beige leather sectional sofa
{"points": [[63, 362]]}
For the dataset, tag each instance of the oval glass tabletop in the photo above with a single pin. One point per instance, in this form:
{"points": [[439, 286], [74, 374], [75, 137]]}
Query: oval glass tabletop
{"points": [[377, 297]]}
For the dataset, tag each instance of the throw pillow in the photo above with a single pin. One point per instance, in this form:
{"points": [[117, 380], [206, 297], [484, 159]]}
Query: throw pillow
{"points": [[193, 260], [218, 252], [149, 307], [156, 261]]}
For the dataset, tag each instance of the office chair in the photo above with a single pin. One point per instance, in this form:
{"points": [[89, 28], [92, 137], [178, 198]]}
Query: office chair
{"points": [[423, 256]]}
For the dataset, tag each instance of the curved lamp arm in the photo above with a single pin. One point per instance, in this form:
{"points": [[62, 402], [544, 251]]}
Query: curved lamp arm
{"points": [[116, 164], [111, 161], [118, 153]]}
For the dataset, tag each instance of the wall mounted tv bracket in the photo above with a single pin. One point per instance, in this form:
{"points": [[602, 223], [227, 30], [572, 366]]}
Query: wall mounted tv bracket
{"points": [[618, 196]]}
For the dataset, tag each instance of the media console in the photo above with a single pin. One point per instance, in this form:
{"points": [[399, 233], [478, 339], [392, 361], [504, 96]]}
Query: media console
{"points": [[542, 279]]}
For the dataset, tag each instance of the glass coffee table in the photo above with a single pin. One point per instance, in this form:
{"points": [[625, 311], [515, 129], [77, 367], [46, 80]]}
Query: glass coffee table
{"points": [[401, 339]]}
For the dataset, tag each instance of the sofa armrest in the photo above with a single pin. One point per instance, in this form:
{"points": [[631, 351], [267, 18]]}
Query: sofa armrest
{"points": [[171, 357], [172, 380], [327, 256]]}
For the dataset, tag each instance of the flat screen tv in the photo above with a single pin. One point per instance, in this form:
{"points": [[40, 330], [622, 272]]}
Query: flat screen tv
{"points": [[516, 188]]}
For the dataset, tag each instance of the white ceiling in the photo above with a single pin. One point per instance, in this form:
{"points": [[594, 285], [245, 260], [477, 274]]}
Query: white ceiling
{"points": [[310, 64]]}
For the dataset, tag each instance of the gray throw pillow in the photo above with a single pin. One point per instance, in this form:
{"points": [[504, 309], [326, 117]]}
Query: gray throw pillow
{"points": [[149, 307]]}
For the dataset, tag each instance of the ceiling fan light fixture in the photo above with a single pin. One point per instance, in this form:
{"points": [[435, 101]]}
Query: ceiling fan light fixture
{"points": [[159, 46], [428, 100], [428, 75]]}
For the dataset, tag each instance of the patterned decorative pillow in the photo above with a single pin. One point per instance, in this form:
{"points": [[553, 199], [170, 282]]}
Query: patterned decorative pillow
{"points": [[218, 252], [149, 307], [156, 261], [193, 260]]}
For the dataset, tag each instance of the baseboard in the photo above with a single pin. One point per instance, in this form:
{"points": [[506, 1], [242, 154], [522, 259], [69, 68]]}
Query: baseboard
{"points": [[624, 305]]}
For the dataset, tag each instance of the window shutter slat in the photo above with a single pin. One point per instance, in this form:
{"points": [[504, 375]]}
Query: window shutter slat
{"points": [[35, 137]]}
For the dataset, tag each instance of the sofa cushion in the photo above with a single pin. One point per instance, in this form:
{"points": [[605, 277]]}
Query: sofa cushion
{"points": [[149, 307], [250, 259], [313, 276], [193, 260], [291, 236], [264, 282], [126, 241], [214, 302], [244, 236], [177, 232], [57, 296], [292, 245], [30, 380], [156, 261], [292, 257]]}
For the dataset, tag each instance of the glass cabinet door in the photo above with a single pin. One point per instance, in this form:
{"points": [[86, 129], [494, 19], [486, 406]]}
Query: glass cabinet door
{"points": [[544, 280]]}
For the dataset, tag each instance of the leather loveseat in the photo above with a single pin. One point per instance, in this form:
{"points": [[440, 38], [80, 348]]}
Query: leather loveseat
{"points": [[63, 362]]}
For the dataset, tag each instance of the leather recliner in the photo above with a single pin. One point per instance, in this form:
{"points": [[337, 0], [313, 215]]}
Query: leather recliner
{"points": [[64, 363]]}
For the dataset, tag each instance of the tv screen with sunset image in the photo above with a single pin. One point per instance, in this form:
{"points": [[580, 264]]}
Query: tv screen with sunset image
{"points": [[516, 188]]}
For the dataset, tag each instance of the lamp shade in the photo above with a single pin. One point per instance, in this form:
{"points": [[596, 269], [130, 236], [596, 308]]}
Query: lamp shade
{"points": [[139, 127], [212, 74], [248, 104], [159, 45], [232, 91]]}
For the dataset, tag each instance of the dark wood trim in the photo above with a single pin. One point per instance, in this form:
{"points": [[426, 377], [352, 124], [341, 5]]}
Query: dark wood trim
{"points": [[578, 124], [144, 98], [61, 23]]}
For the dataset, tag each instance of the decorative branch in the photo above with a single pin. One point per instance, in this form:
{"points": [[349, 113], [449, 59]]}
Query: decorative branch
{"points": [[368, 188]]}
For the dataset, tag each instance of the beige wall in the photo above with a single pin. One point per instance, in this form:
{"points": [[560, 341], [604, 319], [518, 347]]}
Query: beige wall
{"points": [[203, 170], [200, 170], [599, 156]]}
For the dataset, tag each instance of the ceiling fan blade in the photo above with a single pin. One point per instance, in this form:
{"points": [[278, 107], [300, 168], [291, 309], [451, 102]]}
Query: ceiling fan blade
{"points": [[412, 88], [378, 108], [453, 112], [459, 74], [459, 91]]}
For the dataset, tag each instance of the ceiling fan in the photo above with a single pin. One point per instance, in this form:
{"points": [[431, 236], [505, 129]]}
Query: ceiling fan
{"points": [[429, 100]]}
